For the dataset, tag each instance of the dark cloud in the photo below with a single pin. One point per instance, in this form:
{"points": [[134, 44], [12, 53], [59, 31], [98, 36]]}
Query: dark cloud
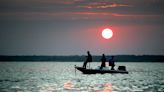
{"points": [[81, 5]]}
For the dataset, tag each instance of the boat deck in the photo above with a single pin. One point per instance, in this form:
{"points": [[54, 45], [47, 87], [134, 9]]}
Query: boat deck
{"points": [[100, 71]]}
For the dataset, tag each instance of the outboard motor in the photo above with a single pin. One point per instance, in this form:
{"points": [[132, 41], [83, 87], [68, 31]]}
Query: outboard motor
{"points": [[123, 68]]}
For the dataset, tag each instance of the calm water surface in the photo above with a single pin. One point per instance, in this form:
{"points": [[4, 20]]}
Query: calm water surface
{"points": [[61, 77]]}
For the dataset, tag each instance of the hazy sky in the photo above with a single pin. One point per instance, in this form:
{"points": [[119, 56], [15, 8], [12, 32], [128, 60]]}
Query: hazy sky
{"points": [[71, 27]]}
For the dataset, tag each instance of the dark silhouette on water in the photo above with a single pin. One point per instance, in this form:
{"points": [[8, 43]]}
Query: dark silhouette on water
{"points": [[103, 60], [89, 59], [101, 71], [84, 70], [112, 63]]}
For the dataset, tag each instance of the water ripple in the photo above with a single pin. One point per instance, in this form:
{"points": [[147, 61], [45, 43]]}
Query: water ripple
{"points": [[61, 77]]}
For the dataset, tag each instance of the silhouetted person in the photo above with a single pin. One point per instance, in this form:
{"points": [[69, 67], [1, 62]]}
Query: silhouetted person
{"points": [[89, 59], [103, 60], [112, 63]]}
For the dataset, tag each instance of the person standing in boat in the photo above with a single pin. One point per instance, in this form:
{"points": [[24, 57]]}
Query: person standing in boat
{"points": [[112, 63], [89, 59], [103, 60]]}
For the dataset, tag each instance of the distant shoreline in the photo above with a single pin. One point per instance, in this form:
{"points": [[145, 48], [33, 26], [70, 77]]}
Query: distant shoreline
{"points": [[118, 58]]}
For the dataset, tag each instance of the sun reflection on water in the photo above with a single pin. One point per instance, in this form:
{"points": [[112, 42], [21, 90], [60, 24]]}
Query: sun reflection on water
{"points": [[68, 85], [107, 88]]}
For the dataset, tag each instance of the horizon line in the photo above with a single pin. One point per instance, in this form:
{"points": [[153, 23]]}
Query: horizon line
{"points": [[93, 55]]}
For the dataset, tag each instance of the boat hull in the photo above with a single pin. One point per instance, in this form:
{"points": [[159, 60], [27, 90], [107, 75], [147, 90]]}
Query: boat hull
{"points": [[100, 71]]}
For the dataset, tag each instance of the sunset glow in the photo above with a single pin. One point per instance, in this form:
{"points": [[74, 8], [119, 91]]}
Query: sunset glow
{"points": [[71, 27]]}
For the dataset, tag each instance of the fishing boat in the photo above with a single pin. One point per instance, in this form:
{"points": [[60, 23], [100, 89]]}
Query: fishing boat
{"points": [[121, 69]]}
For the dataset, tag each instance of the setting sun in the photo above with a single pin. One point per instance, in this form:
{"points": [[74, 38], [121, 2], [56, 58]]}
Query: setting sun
{"points": [[107, 33]]}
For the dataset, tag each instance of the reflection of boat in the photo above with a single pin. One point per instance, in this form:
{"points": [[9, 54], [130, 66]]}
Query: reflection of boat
{"points": [[121, 69]]}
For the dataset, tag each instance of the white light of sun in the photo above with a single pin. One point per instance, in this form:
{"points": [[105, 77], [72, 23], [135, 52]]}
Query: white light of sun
{"points": [[107, 33]]}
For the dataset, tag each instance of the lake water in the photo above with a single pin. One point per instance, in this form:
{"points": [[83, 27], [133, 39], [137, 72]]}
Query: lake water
{"points": [[61, 77]]}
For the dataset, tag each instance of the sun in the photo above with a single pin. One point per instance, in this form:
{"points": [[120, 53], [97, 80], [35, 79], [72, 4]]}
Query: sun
{"points": [[107, 33]]}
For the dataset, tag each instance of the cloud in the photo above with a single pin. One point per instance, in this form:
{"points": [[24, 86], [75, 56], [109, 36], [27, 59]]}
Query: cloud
{"points": [[79, 9], [17, 2], [136, 15], [76, 15], [103, 6], [117, 6], [54, 15]]}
